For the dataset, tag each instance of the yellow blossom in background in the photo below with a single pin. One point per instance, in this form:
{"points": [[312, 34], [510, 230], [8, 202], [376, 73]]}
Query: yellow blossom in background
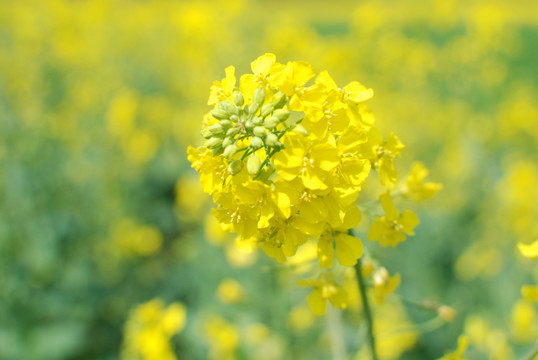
{"points": [[134, 239], [300, 318], [524, 322], [190, 199], [530, 293], [148, 331], [223, 338], [530, 251], [416, 188], [230, 291]]}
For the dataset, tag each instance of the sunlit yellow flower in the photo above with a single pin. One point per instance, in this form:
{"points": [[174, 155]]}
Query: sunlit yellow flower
{"points": [[313, 163]]}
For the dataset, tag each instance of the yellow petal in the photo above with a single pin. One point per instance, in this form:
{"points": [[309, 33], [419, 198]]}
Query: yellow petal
{"points": [[326, 156], [325, 252], [356, 92], [408, 221], [311, 180], [317, 303], [339, 299], [302, 72], [348, 249], [377, 230], [326, 80], [263, 64], [351, 218], [389, 208]]}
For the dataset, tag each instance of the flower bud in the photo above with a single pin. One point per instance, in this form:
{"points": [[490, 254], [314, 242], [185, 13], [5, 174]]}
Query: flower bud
{"points": [[232, 131], [279, 100], [259, 96], [214, 142], [228, 107], [225, 123], [259, 131], [271, 123], [235, 167], [234, 118], [230, 150], [266, 110], [256, 142], [256, 120], [253, 108], [271, 139], [239, 100], [300, 130], [253, 165], [446, 313], [227, 141], [219, 114], [215, 129], [217, 151], [281, 114], [249, 125]]}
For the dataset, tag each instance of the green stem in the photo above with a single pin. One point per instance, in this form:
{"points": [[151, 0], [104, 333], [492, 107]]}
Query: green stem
{"points": [[532, 353], [365, 304]]}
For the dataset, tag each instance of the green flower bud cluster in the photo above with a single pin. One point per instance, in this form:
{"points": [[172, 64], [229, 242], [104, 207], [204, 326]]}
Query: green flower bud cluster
{"points": [[243, 128]]}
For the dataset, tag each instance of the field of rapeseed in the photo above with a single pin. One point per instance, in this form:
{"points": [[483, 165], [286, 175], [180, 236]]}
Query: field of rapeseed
{"points": [[268, 180]]}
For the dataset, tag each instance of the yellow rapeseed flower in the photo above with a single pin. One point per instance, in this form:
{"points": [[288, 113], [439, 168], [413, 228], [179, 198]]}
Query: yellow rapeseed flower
{"points": [[392, 228]]}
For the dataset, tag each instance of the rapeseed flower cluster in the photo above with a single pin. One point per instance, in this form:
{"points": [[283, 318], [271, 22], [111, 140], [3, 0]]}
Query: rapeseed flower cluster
{"points": [[285, 157]]}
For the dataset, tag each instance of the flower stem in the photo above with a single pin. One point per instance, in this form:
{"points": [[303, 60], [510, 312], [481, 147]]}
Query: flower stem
{"points": [[365, 304]]}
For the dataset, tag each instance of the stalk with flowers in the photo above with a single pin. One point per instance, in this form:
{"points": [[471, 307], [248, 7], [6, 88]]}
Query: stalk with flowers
{"points": [[286, 155]]}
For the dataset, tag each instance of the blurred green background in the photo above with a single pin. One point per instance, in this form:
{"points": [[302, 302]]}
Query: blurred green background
{"points": [[100, 211]]}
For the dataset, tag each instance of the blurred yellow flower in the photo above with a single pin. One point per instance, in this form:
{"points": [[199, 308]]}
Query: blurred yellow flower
{"points": [[230, 291], [530, 293], [149, 328], [300, 318], [416, 188], [223, 338], [530, 251], [524, 322], [384, 284]]}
